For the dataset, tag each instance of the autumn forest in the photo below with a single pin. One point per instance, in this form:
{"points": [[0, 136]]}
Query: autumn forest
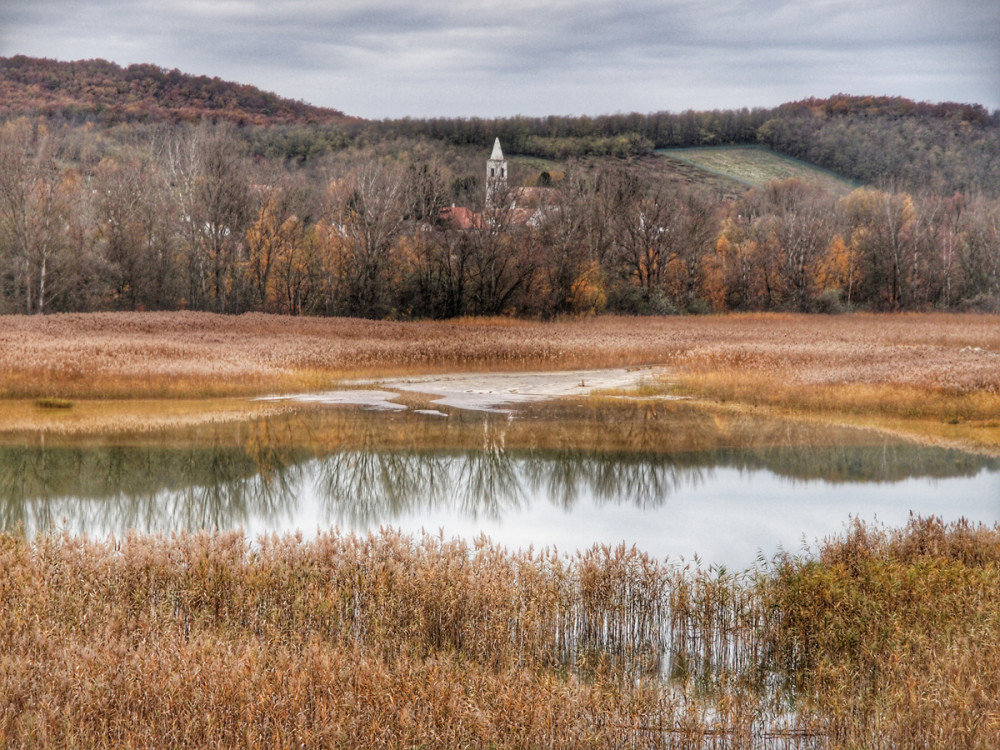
{"points": [[144, 189]]}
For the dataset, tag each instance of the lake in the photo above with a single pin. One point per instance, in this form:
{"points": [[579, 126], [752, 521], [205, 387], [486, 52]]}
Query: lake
{"points": [[674, 479]]}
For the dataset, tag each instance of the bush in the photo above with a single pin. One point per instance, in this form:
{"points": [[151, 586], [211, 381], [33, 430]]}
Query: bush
{"points": [[981, 303], [632, 300], [830, 302]]}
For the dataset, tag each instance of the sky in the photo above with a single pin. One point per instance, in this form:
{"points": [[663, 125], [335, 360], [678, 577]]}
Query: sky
{"points": [[492, 58]]}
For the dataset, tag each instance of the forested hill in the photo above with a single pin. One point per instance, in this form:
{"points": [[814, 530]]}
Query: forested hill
{"points": [[119, 192], [914, 146], [885, 141], [103, 91], [892, 141]]}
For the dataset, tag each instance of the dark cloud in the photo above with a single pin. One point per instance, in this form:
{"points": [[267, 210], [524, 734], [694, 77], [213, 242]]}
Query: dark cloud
{"points": [[392, 58]]}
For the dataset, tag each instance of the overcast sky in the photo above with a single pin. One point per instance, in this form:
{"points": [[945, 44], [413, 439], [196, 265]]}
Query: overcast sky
{"points": [[425, 58]]}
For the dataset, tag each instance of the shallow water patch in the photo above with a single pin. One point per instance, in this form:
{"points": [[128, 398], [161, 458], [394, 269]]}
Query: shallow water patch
{"points": [[671, 478]]}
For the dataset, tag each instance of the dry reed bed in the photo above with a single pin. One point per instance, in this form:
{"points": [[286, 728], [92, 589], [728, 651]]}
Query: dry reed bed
{"points": [[388, 641], [24, 417], [171, 354], [933, 377]]}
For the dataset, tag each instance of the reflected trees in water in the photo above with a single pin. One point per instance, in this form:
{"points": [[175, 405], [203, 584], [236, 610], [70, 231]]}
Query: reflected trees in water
{"points": [[112, 489], [361, 478]]}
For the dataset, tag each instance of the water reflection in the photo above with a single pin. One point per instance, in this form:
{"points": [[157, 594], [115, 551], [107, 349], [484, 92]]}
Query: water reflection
{"points": [[361, 471], [100, 489], [363, 490]]}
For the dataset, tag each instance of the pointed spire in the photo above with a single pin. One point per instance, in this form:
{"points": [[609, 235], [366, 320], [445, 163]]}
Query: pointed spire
{"points": [[497, 154]]}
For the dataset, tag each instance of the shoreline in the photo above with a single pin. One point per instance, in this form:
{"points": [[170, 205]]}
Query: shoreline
{"points": [[931, 377]]}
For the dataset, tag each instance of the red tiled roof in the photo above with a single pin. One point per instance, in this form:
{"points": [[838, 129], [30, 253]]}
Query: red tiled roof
{"points": [[460, 217]]}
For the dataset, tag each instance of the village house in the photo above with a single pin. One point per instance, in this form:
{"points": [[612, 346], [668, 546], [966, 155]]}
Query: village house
{"points": [[525, 206]]}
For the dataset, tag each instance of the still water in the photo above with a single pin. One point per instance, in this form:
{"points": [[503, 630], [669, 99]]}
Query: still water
{"points": [[672, 479]]}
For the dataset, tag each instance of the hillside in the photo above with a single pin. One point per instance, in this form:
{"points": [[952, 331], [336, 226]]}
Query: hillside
{"points": [[918, 146], [99, 90], [884, 141], [893, 141], [145, 189], [755, 167]]}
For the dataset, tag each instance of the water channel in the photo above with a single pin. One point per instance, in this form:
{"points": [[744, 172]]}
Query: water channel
{"points": [[673, 479]]}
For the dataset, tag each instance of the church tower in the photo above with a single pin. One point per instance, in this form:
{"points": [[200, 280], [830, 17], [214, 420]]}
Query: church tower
{"points": [[496, 174]]}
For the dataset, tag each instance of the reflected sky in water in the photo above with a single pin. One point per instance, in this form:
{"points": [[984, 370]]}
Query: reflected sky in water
{"points": [[726, 515], [679, 482]]}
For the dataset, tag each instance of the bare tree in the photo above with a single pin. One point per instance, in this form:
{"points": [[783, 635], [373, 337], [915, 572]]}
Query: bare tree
{"points": [[565, 259], [883, 232], [500, 257], [691, 239], [368, 211], [643, 237], [802, 229], [210, 179], [133, 227], [33, 210], [981, 254]]}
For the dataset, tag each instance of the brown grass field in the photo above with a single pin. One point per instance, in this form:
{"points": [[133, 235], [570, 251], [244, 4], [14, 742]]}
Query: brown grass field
{"points": [[932, 376]]}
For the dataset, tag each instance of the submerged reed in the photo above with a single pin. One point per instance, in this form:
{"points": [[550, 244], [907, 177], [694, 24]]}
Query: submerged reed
{"points": [[877, 640]]}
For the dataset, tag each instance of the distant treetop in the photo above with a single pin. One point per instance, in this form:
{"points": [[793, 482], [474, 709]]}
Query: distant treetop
{"points": [[888, 106]]}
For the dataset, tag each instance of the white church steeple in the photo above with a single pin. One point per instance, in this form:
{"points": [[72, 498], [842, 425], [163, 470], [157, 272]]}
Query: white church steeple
{"points": [[496, 173]]}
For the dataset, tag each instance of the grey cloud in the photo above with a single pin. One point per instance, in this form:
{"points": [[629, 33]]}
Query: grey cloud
{"points": [[389, 57]]}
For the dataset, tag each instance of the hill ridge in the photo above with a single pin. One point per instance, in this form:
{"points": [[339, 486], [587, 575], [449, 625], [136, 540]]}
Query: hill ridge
{"points": [[98, 89]]}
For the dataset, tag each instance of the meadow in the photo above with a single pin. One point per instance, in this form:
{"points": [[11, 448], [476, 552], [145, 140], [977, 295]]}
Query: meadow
{"points": [[759, 166], [934, 377]]}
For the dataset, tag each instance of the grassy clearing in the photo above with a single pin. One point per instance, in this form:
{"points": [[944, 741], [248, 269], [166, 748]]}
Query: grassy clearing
{"points": [[676, 171], [758, 166], [875, 640]]}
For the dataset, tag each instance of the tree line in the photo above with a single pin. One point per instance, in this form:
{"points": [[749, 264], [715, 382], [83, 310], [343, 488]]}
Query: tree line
{"points": [[882, 141], [874, 140], [186, 217]]}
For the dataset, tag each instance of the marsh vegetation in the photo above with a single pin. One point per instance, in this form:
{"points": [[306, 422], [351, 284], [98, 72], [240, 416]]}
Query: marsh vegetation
{"points": [[932, 377], [386, 639], [875, 638]]}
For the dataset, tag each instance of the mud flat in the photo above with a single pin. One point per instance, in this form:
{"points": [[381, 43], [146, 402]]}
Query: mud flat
{"points": [[483, 391]]}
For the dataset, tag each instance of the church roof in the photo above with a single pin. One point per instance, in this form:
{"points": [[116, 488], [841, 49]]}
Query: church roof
{"points": [[497, 154]]}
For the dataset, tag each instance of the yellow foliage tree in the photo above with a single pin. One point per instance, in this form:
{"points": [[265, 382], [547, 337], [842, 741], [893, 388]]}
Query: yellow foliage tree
{"points": [[269, 239], [841, 268], [587, 291], [883, 236]]}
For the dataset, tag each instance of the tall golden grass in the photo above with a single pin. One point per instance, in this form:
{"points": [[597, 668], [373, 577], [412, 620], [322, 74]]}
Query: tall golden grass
{"points": [[198, 354], [892, 634], [935, 376], [963, 417], [882, 638]]}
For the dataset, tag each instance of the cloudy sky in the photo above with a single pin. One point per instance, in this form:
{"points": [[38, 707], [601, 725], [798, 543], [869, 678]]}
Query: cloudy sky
{"points": [[424, 58]]}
